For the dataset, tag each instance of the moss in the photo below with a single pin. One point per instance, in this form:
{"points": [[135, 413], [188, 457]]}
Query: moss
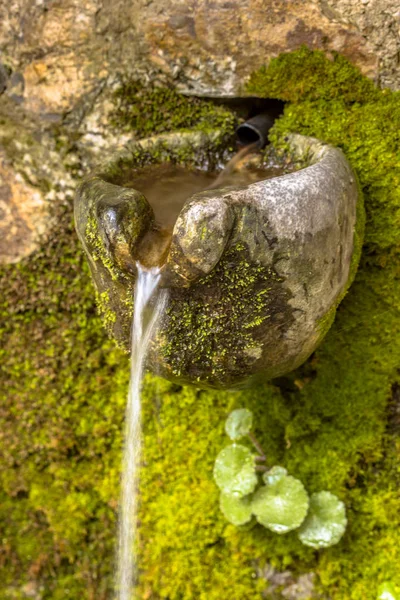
{"points": [[309, 75], [61, 383], [329, 422], [203, 322], [98, 250], [150, 110], [105, 310]]}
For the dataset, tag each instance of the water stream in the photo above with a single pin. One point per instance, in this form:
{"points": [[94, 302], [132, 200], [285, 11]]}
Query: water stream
{"points": [[145, 319], [149, 305]]}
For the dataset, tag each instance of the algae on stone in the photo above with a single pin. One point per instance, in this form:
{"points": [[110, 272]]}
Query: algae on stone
{"points": [[297, 231]]}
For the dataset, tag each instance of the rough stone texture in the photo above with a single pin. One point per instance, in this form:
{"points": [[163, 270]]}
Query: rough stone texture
{"points": [[291, 238], [3, 78], [47, 44], [211, 47], [33, 177], [61, 53], [61, 59], [378, 21], [22, 215], [284, 585]]}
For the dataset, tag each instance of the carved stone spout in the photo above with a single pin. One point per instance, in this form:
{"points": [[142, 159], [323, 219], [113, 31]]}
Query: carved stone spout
{"points": [[254, 272]]}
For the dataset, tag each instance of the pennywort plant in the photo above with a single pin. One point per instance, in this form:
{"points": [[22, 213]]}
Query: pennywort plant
{"points": [[278, 501]]}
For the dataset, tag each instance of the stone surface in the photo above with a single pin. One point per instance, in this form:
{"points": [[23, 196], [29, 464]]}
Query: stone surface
{"points": [[60, 53], [254, 273], [286, 585], [22, 215], [61, 60], [3, 78], [378, 21], [32, 178], [49, 44], [212, 47]]}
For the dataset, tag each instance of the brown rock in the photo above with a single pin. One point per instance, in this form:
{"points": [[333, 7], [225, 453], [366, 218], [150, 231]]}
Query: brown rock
{"points": [[60, 49], [23, 215], [53, 84], [215, 46], [32, 177], [53, 46], [378, 21]]}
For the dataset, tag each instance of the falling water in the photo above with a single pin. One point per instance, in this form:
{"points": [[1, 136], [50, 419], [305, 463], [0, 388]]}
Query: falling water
{"points": [[143, 327], [146, 316]]}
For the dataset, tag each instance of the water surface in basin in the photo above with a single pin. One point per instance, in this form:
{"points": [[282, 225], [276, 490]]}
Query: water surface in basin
{"points": [[168, 186]]}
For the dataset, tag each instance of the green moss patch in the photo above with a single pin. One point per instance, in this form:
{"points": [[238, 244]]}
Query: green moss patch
{"points": [[64, 388], [62, 402], [217, 329], [150, 110]]}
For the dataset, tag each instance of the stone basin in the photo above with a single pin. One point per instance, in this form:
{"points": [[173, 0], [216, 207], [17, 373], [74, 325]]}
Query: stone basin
{"points": [[254, 272]]}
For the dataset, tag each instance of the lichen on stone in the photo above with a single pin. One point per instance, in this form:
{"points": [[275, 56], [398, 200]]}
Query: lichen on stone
{"points": [[217, 331]]}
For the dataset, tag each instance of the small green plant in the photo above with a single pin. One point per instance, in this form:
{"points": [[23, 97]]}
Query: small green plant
{"points": [[280, 503], [326, 521]]}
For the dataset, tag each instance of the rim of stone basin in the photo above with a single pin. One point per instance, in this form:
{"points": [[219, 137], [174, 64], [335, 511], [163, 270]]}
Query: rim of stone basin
{"points": [[198, 150], [266, 263]]}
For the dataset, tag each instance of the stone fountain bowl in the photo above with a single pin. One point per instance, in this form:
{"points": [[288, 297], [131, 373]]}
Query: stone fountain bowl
{"points": [[255, 273]]}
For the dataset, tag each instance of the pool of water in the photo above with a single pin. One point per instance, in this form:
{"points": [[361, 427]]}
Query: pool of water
{"points": [[168, 186]]}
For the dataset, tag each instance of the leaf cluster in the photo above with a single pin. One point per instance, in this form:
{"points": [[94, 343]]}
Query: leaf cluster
{"points": [[280, 503]]}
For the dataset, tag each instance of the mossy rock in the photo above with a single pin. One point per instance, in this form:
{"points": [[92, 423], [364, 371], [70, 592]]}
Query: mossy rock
{"points": [[254, 273], [333, 423]]}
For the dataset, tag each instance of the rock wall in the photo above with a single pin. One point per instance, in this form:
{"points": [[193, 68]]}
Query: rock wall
{"points": [[60, 59], [61, 51]]}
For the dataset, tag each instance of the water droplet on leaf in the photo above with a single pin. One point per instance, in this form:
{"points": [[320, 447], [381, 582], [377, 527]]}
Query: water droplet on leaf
{"points": [[236, 510], [326, 521], [234, 471], [239, 423], [386, 591], [274, 474], [282, 504]]}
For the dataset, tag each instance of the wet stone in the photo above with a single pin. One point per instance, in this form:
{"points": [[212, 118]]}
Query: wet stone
{"points": [[256, 264], [168, 186]]}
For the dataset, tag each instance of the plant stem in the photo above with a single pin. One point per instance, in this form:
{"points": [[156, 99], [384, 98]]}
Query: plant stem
{"points": [[261, 468], [257, 445]]}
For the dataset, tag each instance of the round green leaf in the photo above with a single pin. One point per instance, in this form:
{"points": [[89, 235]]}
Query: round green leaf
{"points": [[274, 474], [239, 423], [281, 505], [234, 471], [386, 591], [326, 521], [236, 510]]}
